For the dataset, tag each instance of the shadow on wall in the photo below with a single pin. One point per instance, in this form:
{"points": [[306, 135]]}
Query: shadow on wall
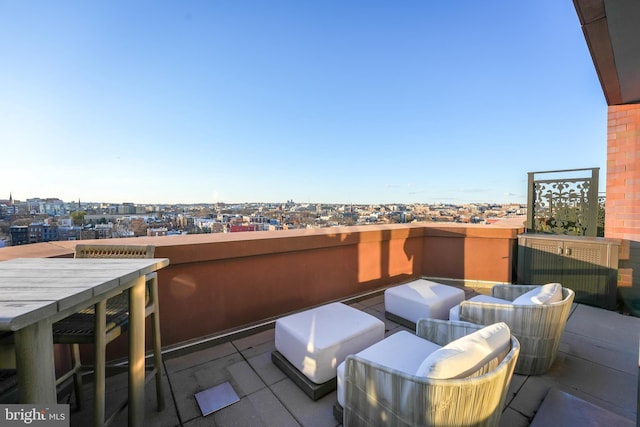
{"points": [[628, 282]]}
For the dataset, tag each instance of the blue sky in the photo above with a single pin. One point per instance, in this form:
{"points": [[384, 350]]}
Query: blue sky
{"points": [[273, 100]]}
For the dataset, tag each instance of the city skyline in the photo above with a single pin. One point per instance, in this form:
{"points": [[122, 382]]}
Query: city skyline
{"points": [[265, 202], [327, 102]]}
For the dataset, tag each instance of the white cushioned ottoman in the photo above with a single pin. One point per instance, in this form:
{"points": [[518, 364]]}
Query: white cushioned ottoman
{"points": [[314, 342], [420, 299]]}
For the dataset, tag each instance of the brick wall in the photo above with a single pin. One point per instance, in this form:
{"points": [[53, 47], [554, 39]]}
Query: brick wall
{"points": [[623, 172], [623, 185]]}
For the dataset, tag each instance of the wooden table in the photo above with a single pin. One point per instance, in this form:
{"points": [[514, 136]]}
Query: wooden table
{"points": [[35, 292]]}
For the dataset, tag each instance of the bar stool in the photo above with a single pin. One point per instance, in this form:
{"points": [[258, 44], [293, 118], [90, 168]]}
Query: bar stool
{"points": [[81, 328]]}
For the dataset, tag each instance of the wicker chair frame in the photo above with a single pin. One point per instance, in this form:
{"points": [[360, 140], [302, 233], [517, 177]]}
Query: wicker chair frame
{"points": [[539, 328], [416, 400]]}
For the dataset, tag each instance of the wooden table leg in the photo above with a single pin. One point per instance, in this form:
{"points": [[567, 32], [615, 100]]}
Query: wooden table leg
{"points": [[100, 364], [136, 352], [35, 363]]}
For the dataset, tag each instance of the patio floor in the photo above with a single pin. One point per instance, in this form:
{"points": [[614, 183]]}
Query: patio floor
{"points": [[597, 362]]}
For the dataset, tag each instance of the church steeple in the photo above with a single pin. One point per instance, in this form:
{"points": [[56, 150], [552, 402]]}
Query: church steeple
{"points": [[10, 198]]}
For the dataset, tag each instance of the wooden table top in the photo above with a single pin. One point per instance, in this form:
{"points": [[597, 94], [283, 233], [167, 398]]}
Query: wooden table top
{"points": [[32, 289]]}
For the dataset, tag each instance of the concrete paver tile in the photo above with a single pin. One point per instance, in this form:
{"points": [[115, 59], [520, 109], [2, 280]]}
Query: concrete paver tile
{"points": [[306, 412], [268, 372], [199, 357]]}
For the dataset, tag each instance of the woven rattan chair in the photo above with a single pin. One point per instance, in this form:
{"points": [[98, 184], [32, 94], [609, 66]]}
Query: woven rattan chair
{"points": [[376, 395], [79, 328], [537, 327]]}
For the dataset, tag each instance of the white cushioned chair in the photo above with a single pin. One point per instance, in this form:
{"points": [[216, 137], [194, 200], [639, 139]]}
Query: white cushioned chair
{"points": [[536, 315], [447, 374]]}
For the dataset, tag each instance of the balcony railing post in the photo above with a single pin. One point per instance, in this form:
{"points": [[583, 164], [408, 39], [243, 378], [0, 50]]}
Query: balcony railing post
{"points": [[530, 201], [592, 221]]}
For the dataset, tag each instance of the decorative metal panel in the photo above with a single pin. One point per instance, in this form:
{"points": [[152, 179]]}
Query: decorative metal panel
{"points": [[567, 205]]}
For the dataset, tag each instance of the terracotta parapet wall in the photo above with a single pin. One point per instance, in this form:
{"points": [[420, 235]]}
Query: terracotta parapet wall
{"points": [[37, 250], [217, 282], [470, 252], [472, 230]]}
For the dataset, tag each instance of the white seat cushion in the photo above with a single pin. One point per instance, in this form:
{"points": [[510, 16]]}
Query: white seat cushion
{"points": [[546, 294], [402, 351], [464, 356], [316, 341], [422, 299], [454, 313]]}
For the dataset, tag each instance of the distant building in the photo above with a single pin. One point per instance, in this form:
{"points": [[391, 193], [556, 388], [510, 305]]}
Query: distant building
{"points": [[104, 231], [160, 231], [50, 232], [65, 222], [126, 209], [238, 228], [19, 235], [207, 224], [258, 219], [12, 209], [51, 207], [88, 234], [35, 232], [8, 207], [73, 232]]}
